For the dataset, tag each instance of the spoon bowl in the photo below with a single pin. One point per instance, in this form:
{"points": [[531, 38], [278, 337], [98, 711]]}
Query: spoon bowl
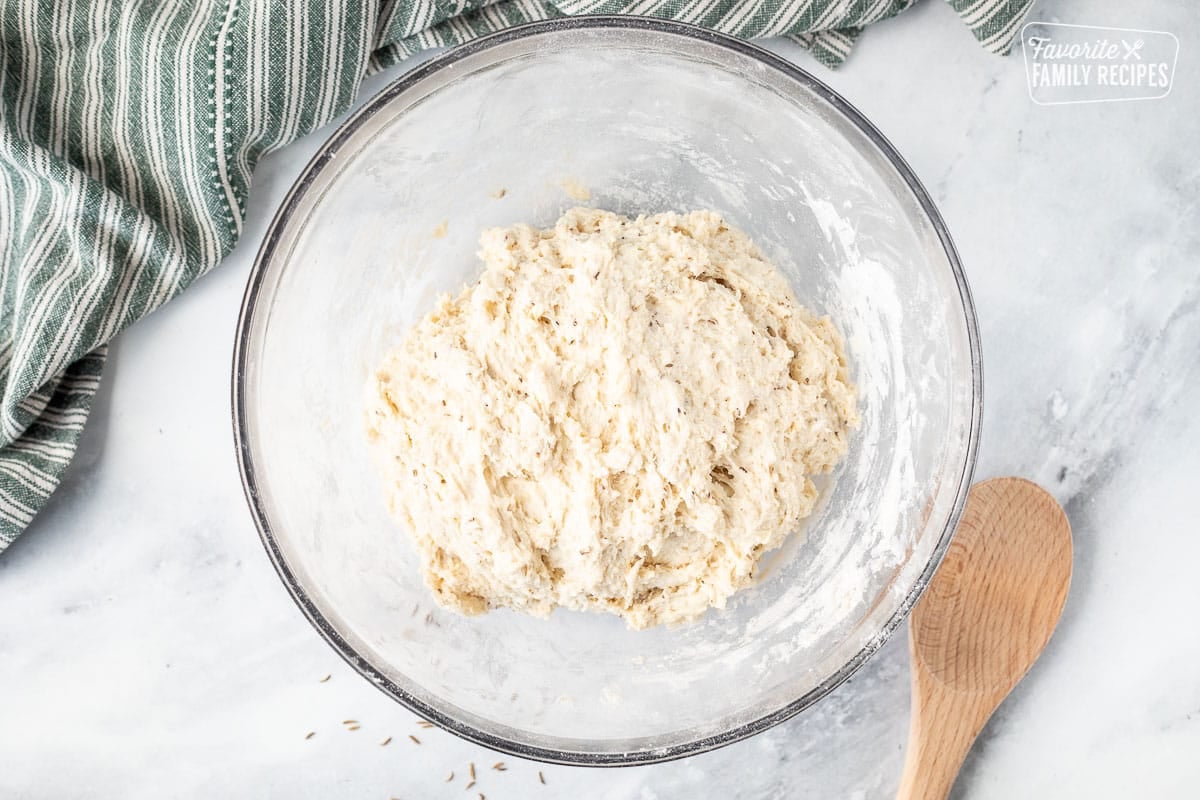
{"points": [[985, 618]]}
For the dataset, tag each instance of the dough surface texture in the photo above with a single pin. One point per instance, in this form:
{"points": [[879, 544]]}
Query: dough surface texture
{"points": [[621, 415]]}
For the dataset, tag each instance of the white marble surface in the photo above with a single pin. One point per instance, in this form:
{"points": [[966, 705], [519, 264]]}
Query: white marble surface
{"points": [[147, 649]]}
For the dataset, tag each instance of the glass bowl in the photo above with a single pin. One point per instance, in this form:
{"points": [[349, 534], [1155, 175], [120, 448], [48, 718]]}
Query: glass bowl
{"points": [[636, 116]]}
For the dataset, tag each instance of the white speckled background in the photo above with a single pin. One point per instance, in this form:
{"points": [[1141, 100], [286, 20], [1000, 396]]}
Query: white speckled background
{"points": [[147, 649]]}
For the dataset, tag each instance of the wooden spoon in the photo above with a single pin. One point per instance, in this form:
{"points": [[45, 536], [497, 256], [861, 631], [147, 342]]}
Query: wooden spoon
{"points": [[981, 624]]}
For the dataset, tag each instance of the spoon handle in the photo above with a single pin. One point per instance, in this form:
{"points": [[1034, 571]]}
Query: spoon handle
{"points": [[943, 726]]}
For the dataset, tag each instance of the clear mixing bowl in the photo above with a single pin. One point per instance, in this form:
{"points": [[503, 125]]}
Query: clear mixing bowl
{"points": [[636, 116]]}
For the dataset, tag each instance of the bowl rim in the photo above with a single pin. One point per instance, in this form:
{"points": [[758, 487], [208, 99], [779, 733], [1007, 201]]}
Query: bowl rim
{"points": [[271, 240]]}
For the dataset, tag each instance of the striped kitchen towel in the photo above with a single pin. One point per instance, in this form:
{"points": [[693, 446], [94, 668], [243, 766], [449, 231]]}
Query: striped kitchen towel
{"points": [[129, 130]]}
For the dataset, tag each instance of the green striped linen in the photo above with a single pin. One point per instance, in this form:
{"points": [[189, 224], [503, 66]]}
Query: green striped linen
{"points": [[129, 130]]}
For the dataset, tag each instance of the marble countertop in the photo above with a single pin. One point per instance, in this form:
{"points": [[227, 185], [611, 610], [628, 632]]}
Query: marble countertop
{"points": [[148, 650]]}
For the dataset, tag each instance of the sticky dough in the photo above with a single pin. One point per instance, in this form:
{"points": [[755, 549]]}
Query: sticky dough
{"points": [[621, 415]]}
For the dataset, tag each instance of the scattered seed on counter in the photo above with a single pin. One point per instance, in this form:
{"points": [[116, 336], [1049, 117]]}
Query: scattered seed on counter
{"points": [[327, 677], [309, 735], [541, 778], [415, 739], [386, 742]]}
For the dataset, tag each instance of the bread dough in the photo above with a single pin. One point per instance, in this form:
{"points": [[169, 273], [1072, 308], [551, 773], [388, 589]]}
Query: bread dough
{"points": [[621, 415]]}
